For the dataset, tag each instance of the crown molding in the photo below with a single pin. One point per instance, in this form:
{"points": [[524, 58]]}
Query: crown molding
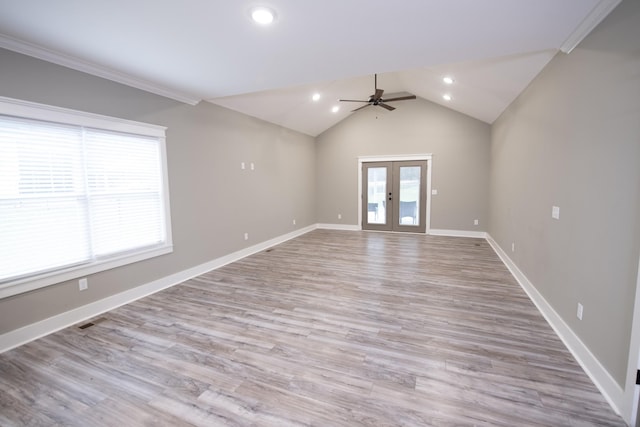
{"points": [[597, 14], [68, 61]]}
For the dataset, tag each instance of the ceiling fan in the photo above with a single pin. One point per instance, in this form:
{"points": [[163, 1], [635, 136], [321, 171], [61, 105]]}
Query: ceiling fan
{"points": [[377, 99]]}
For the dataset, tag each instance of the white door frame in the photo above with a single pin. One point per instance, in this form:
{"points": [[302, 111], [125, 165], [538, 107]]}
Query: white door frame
{"points": [[398, 158]]}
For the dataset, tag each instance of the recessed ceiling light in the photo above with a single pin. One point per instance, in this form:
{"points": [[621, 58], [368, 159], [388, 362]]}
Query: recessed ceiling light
{"points": [[335, 109], [262, 15], [448, 80], [446, 97], [316, 96]]}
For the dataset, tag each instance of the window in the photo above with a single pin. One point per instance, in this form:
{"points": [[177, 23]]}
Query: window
{"points": [[79, 193]]}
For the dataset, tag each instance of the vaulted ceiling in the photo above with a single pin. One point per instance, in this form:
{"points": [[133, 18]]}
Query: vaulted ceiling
{"points": [[211, 50]]}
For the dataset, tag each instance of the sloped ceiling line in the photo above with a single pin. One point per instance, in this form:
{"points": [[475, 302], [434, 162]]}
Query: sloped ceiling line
{"points": [[493, 50]]}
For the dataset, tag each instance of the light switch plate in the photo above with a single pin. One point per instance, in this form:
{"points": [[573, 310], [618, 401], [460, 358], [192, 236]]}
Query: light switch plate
{"points": [[580, 311], [555, 212]]}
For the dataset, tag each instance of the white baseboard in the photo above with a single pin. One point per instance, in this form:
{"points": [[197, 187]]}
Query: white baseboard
{"points": [[457, 233], [44, 327], [608, 386], [434, 232], [610, 389], [346, 227]]}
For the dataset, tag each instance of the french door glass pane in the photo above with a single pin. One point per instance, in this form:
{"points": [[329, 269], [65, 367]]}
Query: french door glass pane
{"points": [[409, 195], [377, 195]]}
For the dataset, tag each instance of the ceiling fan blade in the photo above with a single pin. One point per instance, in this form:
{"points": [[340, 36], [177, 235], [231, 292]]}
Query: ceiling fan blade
{"points": [[399, 98], [376, 98], [360, 108]]}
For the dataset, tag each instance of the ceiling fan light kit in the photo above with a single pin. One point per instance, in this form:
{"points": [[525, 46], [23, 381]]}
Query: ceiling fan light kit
{"points": [[377, 99]]}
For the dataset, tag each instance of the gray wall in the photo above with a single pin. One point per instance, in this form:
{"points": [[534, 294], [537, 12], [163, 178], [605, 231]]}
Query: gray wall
{"points": [[213, 202], [572, 139], [460, 167]]}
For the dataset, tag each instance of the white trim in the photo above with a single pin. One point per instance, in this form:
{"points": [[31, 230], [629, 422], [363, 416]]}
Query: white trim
{"points": [[428, 213], [345, 227], [31, 283], [432, 232], [165, 192], [598, 374], [607, 385], [55, 323], [631, 390], [68, 61], [44, 327], [597, 14], [397, 158], [33, 110], [458, 233]]}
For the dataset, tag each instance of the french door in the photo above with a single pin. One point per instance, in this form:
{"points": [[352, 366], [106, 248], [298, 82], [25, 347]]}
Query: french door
{"points": [[394, 196]]}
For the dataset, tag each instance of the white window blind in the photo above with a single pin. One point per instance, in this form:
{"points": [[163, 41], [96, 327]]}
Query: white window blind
{"points": [[73, 196]]}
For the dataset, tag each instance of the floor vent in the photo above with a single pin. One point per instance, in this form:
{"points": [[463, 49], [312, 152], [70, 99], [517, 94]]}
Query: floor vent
{"points": [[90, 324]]}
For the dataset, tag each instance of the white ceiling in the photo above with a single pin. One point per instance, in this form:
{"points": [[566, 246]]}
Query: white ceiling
{"points": [[211, 50]]}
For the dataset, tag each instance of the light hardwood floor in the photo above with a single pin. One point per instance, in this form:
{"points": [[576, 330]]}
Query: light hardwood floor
{"points": [[333, 328]]}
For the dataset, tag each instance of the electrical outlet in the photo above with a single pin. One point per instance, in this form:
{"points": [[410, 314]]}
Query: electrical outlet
{"points": [[339, 216], [253, 166], [294, 222], [513, 247], [242, 166], [434, 192], [475, 222], [83, 284], [555, 212], [580, 311], [246, 236]]}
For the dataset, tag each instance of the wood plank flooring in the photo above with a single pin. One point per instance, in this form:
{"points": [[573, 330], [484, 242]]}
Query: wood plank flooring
{"points": [[333, 328]]}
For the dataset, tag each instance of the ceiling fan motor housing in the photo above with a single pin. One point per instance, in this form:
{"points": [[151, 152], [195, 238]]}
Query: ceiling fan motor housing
{"points": [[376, 98]]}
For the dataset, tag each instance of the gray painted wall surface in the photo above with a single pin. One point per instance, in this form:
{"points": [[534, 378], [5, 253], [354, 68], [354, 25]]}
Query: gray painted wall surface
{"points": [[573, 140], [213, 202], [460, 169]]}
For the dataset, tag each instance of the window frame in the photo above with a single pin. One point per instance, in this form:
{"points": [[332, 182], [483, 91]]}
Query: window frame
{"points": [[31, 110]]}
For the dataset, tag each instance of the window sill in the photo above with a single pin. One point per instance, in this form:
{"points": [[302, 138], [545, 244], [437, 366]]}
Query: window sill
{"points": [[36, 282]]}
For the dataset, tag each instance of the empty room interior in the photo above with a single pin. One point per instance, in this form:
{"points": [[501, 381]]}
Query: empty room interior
{"points": [[356, 213]]}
